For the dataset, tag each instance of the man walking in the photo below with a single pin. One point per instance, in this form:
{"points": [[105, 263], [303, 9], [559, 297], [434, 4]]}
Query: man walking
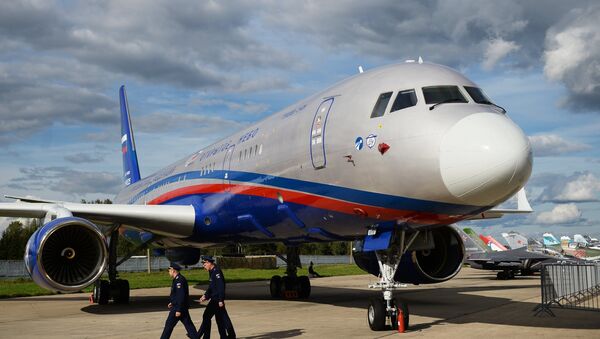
{"points": [[216, 305], [178, 305]]}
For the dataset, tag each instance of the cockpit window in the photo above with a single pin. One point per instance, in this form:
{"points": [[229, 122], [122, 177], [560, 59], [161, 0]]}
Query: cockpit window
{"points": [[381, 104], [439, 94], [404, 99], [478, 95]]}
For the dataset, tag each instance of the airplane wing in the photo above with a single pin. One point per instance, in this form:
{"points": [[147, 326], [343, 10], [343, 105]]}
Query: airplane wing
{"points": [[523, 206], [167, 220]]}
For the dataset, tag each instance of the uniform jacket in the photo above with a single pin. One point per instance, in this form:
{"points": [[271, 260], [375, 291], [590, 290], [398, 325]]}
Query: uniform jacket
{"points": [[216, 287], [180, 294]]}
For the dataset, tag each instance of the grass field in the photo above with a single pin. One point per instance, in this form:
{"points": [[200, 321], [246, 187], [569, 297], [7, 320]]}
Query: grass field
{"points": [[26, 287]]}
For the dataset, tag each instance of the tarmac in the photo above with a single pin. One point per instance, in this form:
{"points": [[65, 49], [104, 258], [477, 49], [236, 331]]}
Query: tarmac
{"points": [[472, 305]]}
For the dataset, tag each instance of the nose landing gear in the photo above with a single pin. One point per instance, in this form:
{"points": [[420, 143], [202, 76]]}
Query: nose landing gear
{"points": [[387, 308]]}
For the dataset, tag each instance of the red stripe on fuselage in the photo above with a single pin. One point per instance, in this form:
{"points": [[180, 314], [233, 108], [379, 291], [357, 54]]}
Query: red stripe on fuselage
{"points": [[312, 200]]}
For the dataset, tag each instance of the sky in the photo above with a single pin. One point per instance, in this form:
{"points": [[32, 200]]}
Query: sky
{"points": [[196, 71]]}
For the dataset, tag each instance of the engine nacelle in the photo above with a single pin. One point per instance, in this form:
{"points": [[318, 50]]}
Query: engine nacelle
{"points": [[66, 254], [432, 259], [185, 256]]}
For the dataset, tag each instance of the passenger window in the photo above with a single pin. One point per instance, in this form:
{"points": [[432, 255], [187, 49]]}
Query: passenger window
{"points": [[437, 94], [381, 104], [404, 99]]}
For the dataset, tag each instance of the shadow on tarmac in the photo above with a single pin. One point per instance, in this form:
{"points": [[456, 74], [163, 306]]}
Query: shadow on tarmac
{"points": [[277, 335]]}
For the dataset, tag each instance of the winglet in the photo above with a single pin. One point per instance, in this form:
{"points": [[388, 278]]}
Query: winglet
{"points": [[522, 202], [131, 170]]}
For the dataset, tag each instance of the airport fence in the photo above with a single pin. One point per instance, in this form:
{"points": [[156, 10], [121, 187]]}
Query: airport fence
{"points": [[16, 268], [570, 286]]}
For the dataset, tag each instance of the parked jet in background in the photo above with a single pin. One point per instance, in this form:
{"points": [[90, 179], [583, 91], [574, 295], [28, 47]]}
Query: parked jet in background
{"points": [[509, 262], [573, 249], [492, 243], [390, 158]]}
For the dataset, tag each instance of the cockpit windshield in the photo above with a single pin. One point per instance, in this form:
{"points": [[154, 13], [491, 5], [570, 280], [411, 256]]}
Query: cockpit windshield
{"points": [[442, 94], [478, 95]]}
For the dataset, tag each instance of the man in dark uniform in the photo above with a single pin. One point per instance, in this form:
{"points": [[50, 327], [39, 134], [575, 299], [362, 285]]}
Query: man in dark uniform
{"points": [[179, 304], [216, 305]]}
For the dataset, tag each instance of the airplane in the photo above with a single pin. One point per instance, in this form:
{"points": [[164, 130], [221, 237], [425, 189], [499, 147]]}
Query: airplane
{"points": [[571, 248], [492, 243], [509, 262], [389, 158]]}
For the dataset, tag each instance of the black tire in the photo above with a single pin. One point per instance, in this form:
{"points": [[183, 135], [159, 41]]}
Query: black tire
{"points": [[376, 315], [303, 287], [120, 291], [287, 284], [101, 292], [501, 275], [275, 286]]}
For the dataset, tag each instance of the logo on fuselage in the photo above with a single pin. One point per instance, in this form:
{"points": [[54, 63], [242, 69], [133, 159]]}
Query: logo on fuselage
{"points": [[371, 140], [358, 143]]}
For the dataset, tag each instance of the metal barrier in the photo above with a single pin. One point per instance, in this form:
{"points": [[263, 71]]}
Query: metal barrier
{"points": [[569, 285]]}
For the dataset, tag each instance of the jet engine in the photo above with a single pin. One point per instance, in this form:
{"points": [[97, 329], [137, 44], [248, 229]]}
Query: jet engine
{"points": [[435, 256], [185, 256], [66, 254]]}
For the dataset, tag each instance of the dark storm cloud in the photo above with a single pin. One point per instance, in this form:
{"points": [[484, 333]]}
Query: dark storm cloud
{"points": [[519, 35]]}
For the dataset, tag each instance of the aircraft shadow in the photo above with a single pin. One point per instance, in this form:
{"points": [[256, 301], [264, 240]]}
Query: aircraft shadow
{"points": [[458, 305]]}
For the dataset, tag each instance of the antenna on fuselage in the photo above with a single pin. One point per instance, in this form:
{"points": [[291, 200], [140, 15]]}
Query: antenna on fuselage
{"points": [[360, 69]]}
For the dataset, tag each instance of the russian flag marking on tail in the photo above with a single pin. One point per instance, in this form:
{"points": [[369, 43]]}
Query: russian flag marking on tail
{"points": [[131, 170]]}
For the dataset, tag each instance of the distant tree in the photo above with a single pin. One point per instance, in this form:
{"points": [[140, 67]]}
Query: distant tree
{"points": [[14, 239]]}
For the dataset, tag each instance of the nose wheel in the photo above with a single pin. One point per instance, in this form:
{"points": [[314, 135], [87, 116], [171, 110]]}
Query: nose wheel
{"points": [[387, 312], [381, 317]]}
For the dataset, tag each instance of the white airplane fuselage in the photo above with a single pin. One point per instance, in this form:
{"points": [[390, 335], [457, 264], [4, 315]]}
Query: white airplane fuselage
{"points": [[319, 169]]}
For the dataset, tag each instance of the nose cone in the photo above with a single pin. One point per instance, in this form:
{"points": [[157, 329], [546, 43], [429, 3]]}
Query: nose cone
{"points": [[484, 159]]}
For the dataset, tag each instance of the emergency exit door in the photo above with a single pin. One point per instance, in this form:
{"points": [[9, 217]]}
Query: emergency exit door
{"points": [[317, 134]]}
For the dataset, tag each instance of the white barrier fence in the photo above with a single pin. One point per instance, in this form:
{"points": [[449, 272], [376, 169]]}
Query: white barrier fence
{"points": [[16, 268]]}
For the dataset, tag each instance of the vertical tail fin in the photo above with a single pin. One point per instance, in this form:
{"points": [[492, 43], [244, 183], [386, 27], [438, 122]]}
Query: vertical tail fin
{"points": [[131, 170], [515, 240]]}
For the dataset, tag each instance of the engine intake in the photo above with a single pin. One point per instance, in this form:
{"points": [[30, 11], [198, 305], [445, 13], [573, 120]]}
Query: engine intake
{"points": [[435, 256], [66, 254]]}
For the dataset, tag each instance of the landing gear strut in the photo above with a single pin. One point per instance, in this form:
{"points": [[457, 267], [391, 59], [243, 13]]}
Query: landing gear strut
{"points": [[291, 285], [387, 308], [117, 289]]}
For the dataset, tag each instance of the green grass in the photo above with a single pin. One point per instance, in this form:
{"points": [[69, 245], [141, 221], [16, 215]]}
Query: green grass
{"points": [[26, 287]]}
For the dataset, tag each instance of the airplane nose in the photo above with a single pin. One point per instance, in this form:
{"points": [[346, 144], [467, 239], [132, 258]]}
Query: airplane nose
{"points": [[484, 159]]}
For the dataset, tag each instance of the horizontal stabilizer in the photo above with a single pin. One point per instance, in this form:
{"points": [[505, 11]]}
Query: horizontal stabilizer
{"points": [[523, 206]]}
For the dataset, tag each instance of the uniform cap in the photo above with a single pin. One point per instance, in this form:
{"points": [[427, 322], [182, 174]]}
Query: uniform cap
{"points": [[175, 266], [208, 258]]}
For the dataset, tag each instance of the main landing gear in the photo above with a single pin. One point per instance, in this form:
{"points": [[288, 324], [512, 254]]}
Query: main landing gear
{"points": [[113, 288], [290, 286], [386, 312]]}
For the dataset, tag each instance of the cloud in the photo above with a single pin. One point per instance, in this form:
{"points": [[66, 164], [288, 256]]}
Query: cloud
{"points": [[66, 180], [188, 124], [496, 50], [572, 57], [247, 107], [579, 187], [82, 158], [560, 214], [551, 144]]}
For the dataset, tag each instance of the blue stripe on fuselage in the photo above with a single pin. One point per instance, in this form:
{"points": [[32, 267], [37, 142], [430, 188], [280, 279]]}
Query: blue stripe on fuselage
{"points": [[326, 190]]}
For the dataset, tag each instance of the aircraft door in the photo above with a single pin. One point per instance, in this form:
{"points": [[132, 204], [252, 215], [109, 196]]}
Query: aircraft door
{"points": [[317, 134], [227, 165]]}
